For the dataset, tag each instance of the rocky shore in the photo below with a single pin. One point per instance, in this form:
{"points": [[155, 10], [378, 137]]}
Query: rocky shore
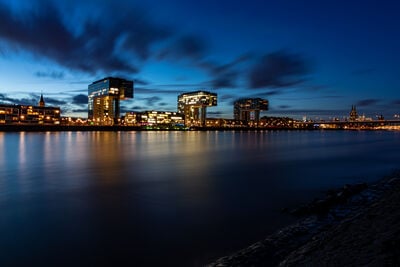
{"points": [[357, 225]]}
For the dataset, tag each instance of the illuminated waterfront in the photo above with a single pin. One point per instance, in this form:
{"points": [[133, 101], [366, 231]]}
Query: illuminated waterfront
{"points": [[181, 198]]}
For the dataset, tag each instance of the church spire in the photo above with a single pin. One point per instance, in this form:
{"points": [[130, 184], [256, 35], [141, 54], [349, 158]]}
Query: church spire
{"points": [[353, 113], [41, 101]]}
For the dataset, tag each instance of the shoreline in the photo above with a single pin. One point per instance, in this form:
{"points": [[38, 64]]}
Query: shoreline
{"points": [[322, 238], [92, 128], [120, 128]]}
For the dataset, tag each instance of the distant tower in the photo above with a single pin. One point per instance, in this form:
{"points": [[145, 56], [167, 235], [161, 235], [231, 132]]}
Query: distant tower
{"points": [[353, 113], [41, 101]]}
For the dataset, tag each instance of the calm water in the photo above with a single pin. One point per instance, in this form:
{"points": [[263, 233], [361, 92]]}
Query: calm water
{"points": [[172, 198]]}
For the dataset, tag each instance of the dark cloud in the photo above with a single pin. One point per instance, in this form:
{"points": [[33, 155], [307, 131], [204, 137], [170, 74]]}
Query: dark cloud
{"points": [[214, 112], [145, 90], [396, 102], [284, 106], [141, 82], [278, 69], [194, 49], [162, 104], [53, 101], [79, 110], [27, 101], [227, 97], [271, 93], [31, 100], [224, 75], [52, 74], [185, 85], [151, 101], [96, 47], [80, 99], [225, 80], [186, 47], [5, 98], [222, 68], [138, 108], [267, 94], [313, 88], [367, 102], [77, 90]]}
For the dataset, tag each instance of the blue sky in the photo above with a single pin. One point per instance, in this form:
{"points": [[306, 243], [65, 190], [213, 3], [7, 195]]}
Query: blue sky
{"points": [[308, 58]]}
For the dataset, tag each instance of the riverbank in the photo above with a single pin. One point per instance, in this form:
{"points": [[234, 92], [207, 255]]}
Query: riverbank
{"points": [[123, 128], [363, 230], [117, 128]]}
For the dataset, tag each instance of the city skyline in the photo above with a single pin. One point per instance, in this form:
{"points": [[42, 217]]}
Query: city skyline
{"points": [[308, 59]]}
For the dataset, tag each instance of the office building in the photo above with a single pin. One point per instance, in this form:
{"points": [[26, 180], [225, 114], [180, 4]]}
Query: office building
{"points": [[248, 109], [150, 118], [194, 106], [104, 100]]}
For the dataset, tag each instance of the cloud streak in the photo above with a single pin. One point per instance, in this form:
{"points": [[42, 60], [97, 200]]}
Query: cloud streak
{"points": [[151, 101], [367, 102], [80, 99], [44, 32], [278, 69], [52, 74]]}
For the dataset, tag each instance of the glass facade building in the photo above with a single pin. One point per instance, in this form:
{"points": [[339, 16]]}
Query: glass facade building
{"points": [[104, 99], [248, 109], [194, 106]]}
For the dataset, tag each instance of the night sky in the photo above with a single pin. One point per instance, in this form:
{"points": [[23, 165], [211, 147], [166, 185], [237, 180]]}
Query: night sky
{"points": [[308, 58]]}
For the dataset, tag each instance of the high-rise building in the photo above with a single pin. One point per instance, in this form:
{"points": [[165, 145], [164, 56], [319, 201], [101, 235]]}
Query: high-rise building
{"points": [[194, 106], [248, 109], [103, 99]]}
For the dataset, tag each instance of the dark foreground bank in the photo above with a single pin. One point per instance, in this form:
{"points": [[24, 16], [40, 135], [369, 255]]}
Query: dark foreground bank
{"points": [[358, 230]]}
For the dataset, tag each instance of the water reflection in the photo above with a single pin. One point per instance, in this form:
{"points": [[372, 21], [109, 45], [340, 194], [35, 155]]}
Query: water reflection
{"points": [[185, 196]]}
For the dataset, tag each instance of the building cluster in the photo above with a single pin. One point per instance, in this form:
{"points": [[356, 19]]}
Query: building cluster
{"points": [[354, 117], [28, 114], [154, 118], [104, 98], [104, 108]]}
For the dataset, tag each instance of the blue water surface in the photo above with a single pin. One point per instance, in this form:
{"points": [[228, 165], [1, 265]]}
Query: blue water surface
{"points": [[167, 198]]}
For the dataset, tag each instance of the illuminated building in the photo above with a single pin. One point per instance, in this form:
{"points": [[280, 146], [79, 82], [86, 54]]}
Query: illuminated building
{"points": [[353, 114], [26, 114], [248, 109], [194, 106], [103, 99], [154, 118]]}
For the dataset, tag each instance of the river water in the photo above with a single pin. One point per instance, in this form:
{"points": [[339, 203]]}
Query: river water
{"points": [[167, 198]]}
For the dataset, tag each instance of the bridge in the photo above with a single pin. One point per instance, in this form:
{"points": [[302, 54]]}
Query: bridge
{"points": [[372, 124]]}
